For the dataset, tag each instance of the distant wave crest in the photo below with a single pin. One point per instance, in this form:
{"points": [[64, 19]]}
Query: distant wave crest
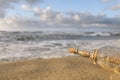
{"points": [[38, 36]]}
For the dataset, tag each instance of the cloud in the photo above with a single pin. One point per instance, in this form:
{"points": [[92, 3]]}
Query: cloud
{"points": [[19, 23], [5, 4], [55, 18], [26, 7], [115, 7], [48, 15], [68, 19], [49, 18], [2, 14], [34, 1], [109, 0]]}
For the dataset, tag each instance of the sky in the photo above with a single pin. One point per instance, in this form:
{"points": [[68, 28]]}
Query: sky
{"points": [[35, 15]]}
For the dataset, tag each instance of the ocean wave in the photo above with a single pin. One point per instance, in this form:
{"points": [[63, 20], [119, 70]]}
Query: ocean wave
{"points": [[30, 45], [39, 36]]}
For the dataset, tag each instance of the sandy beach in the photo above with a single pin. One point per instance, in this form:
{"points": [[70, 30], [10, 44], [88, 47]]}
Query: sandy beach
{"points": [[67, 68]]}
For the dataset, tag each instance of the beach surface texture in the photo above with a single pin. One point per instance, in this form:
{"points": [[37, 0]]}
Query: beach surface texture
{"points": [[67, 68]]}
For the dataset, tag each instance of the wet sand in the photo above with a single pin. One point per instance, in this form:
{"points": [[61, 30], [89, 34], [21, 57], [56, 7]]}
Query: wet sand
{"points": [[68, 68]]}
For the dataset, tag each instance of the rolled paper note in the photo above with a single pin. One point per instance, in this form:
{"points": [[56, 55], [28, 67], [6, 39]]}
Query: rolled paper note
{"points": [[72, 50]]}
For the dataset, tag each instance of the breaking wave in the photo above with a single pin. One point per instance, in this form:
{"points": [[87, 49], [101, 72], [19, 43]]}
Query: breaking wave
{"points": [[30, 45], [40, 36]]}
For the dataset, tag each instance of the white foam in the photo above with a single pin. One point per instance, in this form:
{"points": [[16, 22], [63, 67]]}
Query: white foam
{"points": [[48, 49], [33, 47]]}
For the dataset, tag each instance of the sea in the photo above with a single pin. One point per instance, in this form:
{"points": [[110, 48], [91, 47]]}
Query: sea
{"points": [[25, 45]]}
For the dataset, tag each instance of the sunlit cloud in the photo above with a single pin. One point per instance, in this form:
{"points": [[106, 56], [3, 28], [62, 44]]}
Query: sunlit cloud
{"points": [[26, 7], [115, 7], [109, 0]]}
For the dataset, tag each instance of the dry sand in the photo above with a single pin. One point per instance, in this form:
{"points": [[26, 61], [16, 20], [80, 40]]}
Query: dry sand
{"points": [[68, 68]]}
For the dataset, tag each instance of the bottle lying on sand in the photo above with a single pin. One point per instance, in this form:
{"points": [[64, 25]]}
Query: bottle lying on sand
{"points": [[107, 57]]}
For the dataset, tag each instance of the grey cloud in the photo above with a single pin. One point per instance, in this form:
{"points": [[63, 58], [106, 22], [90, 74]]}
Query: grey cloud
{"points": [[5, 4], [75, 19], [2, 13], [34, 1]]}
